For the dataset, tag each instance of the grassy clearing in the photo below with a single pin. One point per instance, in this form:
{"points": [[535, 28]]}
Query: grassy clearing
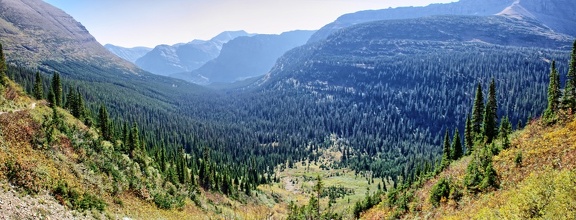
{"points": [[296, 185]]}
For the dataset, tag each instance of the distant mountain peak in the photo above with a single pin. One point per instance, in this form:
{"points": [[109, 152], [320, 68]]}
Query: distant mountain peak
{"points": [[129, 54], [229, 35], [184, 57]]}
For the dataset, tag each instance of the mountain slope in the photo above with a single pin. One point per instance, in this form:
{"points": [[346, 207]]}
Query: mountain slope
{"points": [[38, 35], [462, 7], [129, 54], [391, 88], [34, 31], [556, 14], [535, 177], [165, 59], [559, 15], [246, 57]]}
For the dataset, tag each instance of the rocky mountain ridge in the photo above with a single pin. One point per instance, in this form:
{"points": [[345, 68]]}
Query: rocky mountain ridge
{"points": [[558, 14], [129, 54]]}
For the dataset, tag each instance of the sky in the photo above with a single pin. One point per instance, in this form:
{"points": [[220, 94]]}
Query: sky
{"points": [[131, 23]]}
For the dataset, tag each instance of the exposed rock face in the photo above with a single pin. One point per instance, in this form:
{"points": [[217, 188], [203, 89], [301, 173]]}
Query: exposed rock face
{"points": [[559, 15], [33, 31]]}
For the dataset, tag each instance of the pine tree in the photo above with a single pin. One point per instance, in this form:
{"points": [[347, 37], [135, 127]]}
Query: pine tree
{"points": [[505, 128], [477, 111], [78, 105], [553, 92], [318, 189], [104, 124], [446, 155], [456, 146], [134, 140], [490, 114], [569, 98], [468, 136], [38, 88], [52, 98], [3, 68], [70, 99], [57, 88]]}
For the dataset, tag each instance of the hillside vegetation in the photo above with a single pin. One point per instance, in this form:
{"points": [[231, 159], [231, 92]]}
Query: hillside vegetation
{"points": [[529, 174], [536, 176]]}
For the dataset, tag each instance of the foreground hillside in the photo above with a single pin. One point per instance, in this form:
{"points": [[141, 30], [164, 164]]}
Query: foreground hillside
{"points": [[54, 166], [535, 175]]}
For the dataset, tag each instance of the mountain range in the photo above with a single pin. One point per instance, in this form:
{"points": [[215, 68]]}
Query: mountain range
{"points": [[166, 60], [246, 57]]}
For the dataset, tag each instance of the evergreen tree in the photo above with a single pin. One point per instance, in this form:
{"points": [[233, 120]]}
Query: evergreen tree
{"points": [[468, 136], [446, 155], [38, 88], [456, 146], [133, 140], [490, 114], [569, 98], [3, 68], [505, 127], [70, 99], [104, 124], [477, 111], [318, 189], [57, 89], [78, 105], [553, 92], [52, 98]]}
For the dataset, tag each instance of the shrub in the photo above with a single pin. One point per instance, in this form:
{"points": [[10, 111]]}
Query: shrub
{"points": [[440, 190], [518, 159]]}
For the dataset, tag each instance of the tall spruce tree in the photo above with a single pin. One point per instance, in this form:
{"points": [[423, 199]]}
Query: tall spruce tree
{"points": [[505, 127], [446, 155], [553, 92], [134, 140], [456, 146], [78, 105], [569, 98], [70, 99], [477, 111], [490, 114], [51, 98], [38, 87], [3, 67], [57, 89], [104, 124], [468, 136]]}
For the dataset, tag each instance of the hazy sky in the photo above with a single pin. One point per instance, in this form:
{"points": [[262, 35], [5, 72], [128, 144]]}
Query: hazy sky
{"points": [[132, 23]]}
